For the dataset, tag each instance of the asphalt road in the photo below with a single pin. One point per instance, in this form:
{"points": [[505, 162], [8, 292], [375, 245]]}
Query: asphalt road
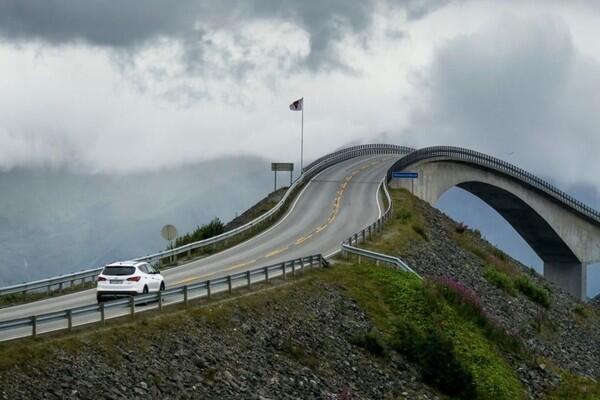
{"points": [[336, 203]]}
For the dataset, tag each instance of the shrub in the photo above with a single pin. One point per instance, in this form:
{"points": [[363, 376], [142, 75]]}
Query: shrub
{"points": [[581, 311], [420, 231], [213, 228], [468, 304], [403, 215], [461, 228], [500, 280], [436, 359], [370, 341], [536, 294]]}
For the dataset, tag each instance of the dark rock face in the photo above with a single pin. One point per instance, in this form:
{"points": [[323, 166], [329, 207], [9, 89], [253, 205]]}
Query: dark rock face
{"points": [[566, 339], [299, 349]]}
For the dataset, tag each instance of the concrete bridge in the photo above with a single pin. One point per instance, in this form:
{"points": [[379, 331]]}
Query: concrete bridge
{"points": [[564, 232]]}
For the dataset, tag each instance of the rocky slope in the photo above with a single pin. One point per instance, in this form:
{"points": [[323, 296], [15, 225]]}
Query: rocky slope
{"points": [[293, 343], [567, 333], [349, 332]]}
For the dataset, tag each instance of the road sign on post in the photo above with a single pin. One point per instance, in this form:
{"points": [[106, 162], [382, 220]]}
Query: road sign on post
{"points": [[275, 167], [169, 233], [406, 175]]}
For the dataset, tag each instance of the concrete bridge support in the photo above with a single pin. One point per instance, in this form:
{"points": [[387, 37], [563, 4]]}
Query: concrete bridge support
{"points": [[571, 276], [565, 240]]}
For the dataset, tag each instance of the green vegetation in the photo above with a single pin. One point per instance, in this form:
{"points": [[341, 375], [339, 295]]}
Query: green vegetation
{"points": [[574, 387], [406, 225], [500, 280], [206, 231], [371, 341], [532, 291], [439, 326], [521, 283]]}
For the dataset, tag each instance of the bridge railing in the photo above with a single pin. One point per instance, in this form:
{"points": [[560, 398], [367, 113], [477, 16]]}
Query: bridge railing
{"points": [[493, 163], [309, 172], [100, 312]]}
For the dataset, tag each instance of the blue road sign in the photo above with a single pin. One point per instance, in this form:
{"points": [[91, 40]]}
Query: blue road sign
{"points": [[405, 175]]}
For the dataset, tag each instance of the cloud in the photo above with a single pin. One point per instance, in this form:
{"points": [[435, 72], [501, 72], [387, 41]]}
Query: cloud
{"points": [[518, 89], [131, 25]]}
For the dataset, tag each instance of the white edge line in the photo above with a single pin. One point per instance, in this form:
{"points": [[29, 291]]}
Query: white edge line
{"points": [[256, 236], [377, 199]]}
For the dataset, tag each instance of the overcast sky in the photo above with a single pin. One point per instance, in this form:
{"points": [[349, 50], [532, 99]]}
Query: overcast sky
{"points": [[104, 86]]}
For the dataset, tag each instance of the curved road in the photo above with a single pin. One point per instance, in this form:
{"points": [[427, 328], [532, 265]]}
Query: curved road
{"points": [[333, 205]]}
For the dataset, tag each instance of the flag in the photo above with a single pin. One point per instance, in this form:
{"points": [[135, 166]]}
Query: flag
{"points": [[298, 105]]}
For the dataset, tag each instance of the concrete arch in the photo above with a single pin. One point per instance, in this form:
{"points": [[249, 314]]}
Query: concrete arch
{"points": [[562, 236]]}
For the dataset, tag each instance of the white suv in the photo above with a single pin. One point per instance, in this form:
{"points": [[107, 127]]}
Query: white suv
{"points": [[128, 279]]}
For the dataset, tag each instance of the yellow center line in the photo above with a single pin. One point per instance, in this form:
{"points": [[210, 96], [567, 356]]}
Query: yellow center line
{"points": [[275, 252], [305, 238], [333, 215]]}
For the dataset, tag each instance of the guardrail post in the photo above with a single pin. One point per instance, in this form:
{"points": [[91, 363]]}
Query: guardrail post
{"points": [[70, 320], [302, 265], [160, 301], [189, 254], [293, 267], [359, 259], [283, 267], [364, 235], [185, 296], [72, 282], [132, 307], [102, 316], [208, 288], [34, 326], [311, 261], [356, 238], [248, 278], [229, 285], [266, 271]]}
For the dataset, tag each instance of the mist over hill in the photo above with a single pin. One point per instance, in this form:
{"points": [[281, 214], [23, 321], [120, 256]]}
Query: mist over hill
{"points": [[57, 221]]}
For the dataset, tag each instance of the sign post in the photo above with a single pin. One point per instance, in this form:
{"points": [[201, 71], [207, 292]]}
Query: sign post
{"points": [[281, 167], [169, 233]]}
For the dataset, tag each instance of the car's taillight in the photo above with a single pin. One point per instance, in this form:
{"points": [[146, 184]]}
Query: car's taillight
{"points": [[134, 278], [100, 279]]}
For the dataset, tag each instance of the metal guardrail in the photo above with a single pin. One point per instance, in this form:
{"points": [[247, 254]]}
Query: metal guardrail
{"points": [[57, 281], [350, 244], [309, 172], [182, 294], [497, 165], [379, 257]]}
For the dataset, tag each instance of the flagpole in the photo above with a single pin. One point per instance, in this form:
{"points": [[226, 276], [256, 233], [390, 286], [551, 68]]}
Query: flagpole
{"points": [[302, 140]]}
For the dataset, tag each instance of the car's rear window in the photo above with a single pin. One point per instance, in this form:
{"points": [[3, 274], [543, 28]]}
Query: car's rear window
{"points": [[118, 270]]}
